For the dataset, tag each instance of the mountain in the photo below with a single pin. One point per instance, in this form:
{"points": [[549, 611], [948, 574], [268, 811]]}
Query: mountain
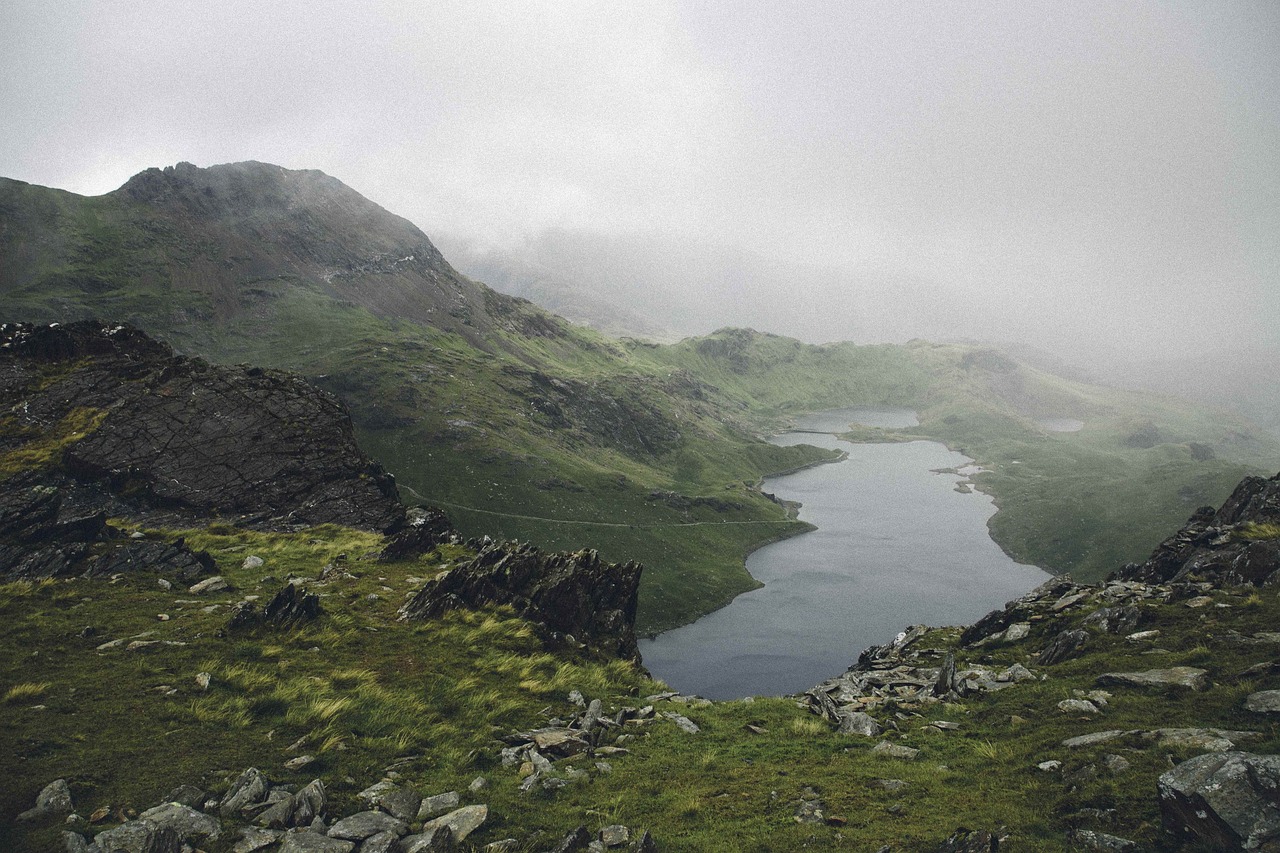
{"points": [[520, 425], [217, 669]]}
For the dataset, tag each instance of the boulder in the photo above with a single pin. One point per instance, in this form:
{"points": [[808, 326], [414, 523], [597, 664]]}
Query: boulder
{"points": [[250, 788], [306, 841], [1265, 702], [361, 825], [1226, 801], [858, 723], [1064, 646], [461, 822], [54, 799]]}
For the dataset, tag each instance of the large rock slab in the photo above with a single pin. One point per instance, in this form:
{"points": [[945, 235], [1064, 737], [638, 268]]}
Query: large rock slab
{"points": [[1228, 801], [461, 822], [1179, 676]]}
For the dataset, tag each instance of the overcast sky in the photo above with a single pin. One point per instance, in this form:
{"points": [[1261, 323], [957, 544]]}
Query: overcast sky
{"points": [[1105, 173]]}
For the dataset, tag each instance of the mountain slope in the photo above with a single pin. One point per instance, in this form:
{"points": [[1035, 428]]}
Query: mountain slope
{"points": [[521, 425]]}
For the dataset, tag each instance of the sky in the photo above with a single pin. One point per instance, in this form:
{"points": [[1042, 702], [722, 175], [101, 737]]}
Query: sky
{"points": [[1097, 177]]}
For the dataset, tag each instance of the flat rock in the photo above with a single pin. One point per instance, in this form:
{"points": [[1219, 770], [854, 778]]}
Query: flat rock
{"points": [[217, 583], [462, 822], [1094, 738], [1265, 702], [439, 804], [184, 820], [1178, 676], [682, 721], [1225, 802], [886, 749], [361, 825], [1077, 706]]}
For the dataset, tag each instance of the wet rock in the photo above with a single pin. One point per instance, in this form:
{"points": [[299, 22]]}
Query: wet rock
{"points": [[569, 594], [53, 800], [1178, 676], [1225, 802]]}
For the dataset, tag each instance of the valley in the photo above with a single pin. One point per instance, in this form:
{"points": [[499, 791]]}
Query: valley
{"points": [[503, 413]]}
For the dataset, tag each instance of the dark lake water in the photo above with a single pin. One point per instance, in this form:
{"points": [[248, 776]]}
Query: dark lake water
{"points": [[896, 545]]}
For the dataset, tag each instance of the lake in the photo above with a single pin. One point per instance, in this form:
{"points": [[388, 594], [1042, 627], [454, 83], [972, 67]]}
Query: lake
{"points": [[896, 545]]}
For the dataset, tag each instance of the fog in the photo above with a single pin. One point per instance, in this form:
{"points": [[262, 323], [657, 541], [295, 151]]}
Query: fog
{"points": [[1099, 180]]}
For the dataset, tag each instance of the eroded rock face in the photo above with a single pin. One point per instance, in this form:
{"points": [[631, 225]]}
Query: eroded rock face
{"points": [[1217, 545], [569, 594], [158, 431]]}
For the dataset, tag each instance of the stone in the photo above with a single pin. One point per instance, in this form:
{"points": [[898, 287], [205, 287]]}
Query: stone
{"points": [[506, 845], [310, 803], [400, 802], [53, 800], [361, 825], [1264, 702], [1225, 801], [574, 594], [74, 842], [217, 583], [253, 839], [383, 842], [1115, 764], [1064, 646], [187, 822], [946, 681], [1179, 676], [971, 841], [252, 562], [163, 840], [1092, 840], [1049, 766], [306, 841], [438, 840], [1077, 706], [461, 822], [685, 724], [644, 844], [187, 795], [614, 835], [858, 723], [1017, 631], [578, 839], [279, 815], [202, 680], [251, 787], [885, 749], [478, 784], [298, 763], [439, 804]]}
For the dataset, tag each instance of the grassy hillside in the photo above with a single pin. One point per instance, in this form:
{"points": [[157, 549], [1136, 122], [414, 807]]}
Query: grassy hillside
{"points": [[364, 693], [523, 426]]}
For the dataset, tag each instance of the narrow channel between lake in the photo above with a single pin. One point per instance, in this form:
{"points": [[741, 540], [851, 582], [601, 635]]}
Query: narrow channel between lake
{"points": [[897, 544]]}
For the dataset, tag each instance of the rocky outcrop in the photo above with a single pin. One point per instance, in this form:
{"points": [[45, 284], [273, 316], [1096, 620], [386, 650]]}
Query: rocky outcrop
{"points": [[154, 431], [1237, 544], [1226, 801], [570, 595]]}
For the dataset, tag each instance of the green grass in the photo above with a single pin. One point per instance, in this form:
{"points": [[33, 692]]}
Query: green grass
{"points": [[361, 690]]}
